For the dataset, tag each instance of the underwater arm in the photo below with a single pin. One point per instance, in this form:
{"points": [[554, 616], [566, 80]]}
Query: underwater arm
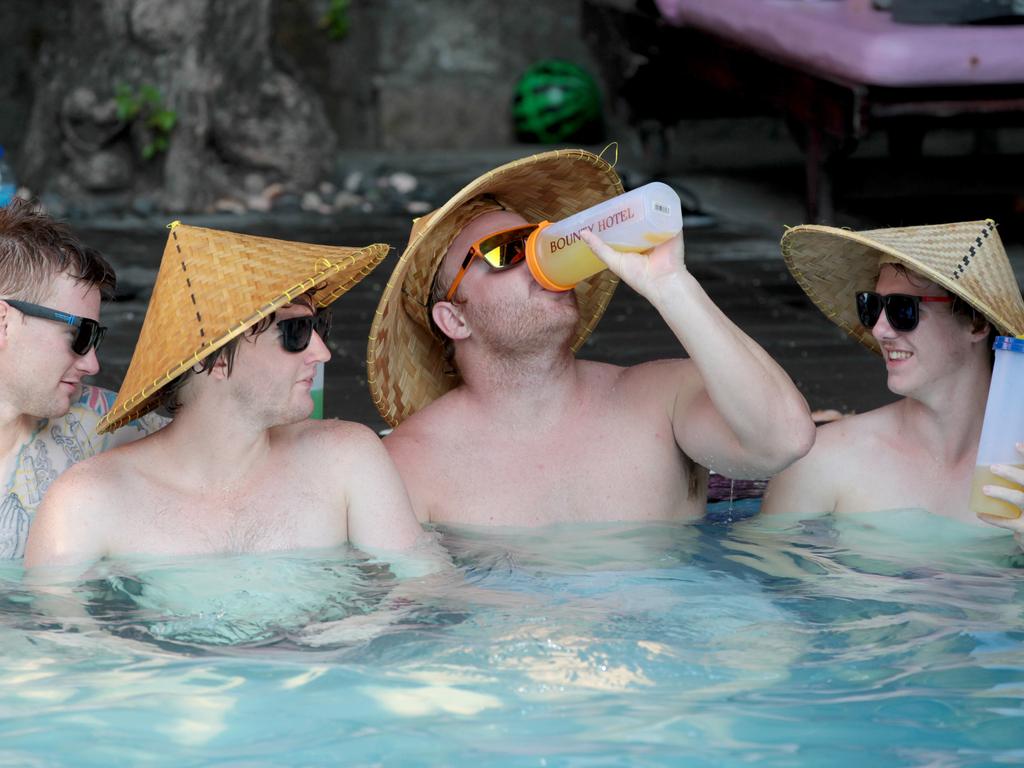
{"points": [[745, 417]]}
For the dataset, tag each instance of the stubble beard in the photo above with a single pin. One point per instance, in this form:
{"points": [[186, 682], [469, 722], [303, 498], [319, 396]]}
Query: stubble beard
{"points": [[514, 328], [46, 405], [256, 403]]}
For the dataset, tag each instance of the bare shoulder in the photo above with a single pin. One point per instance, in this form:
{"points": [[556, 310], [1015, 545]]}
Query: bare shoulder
{"points": [[405, 441], [78, 512], [840, 442], [434, 425], [653, 386], [99, 473], [414, 445], [842, 451], [103, 482], [334, 440], [853, 437], [667, 375]]}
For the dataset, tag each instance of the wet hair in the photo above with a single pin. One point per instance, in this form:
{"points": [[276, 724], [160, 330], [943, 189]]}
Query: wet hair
{"points": [[35, 249], [170, 397]]}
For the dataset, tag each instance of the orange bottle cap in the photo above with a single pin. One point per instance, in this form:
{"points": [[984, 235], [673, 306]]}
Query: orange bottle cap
{"points": [[534, 263]]}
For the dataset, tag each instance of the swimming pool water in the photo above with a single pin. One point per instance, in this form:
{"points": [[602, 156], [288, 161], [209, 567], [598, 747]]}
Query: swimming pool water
{"points": [[772, 642]]}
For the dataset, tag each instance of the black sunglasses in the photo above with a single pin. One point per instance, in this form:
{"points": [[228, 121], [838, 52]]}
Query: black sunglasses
{"points": [[296, 332], [902, 310], [90, 333]]}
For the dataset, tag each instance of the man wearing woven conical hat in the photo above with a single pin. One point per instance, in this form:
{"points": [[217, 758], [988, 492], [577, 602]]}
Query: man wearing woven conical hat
{"points": [[523, 433], [230, 343], [929, 300]]}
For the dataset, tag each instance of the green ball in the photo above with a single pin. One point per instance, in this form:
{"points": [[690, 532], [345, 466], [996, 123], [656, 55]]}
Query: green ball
{"points": [[557, 101]]}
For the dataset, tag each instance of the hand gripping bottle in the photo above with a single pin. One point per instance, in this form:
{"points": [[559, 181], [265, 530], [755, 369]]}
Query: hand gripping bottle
{"points": [[635, 221], [1003, 427]]}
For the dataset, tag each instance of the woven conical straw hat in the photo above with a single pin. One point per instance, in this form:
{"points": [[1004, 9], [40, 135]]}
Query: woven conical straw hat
{"points": [[212, 286], [966, 258], [405, 360]]}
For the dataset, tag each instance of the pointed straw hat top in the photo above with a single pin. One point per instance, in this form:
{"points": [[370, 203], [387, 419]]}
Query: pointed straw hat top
{"points": [[405, 360], [966, 258], [212, 286]]}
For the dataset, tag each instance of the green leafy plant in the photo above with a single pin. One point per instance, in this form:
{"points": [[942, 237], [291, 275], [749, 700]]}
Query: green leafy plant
{"points": [[336, 20], [146, 107]]}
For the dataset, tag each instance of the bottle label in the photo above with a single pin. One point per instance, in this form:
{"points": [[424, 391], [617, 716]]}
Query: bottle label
{"points": [[602, 225], [560, 243]]}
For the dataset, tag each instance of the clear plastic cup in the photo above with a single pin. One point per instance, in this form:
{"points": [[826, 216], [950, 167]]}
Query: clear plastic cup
{"points": [[1003, 427], [634, 221]]}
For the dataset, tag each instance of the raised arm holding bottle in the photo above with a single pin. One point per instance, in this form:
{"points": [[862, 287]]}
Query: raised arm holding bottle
{"points": [[521, 432]]}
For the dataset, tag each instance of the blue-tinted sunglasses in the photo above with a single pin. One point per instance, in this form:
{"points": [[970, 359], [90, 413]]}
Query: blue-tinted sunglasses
{"points": [[90, 333]]}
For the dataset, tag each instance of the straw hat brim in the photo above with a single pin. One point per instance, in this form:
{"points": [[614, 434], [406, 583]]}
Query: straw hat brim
{"points": [[405, 360], [966, 258], [213, 286]]}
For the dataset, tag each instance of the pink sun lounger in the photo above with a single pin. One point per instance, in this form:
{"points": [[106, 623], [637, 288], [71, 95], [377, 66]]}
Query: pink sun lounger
{"points": [[840, 69]]}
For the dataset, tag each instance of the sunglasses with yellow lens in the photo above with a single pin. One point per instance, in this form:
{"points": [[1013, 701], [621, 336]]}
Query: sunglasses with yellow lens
{"points": [[501, 250]]}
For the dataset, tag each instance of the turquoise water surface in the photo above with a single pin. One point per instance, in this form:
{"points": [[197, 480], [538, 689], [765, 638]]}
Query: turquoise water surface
{"points": [[895, 639]]}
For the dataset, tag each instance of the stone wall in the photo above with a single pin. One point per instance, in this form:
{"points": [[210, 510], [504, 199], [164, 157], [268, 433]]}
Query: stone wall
{"points": [[427, 74], [409, 74], [263, 95], [24, 24]]}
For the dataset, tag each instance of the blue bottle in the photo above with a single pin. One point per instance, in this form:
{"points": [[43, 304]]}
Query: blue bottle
{"points": [[8, 186]]}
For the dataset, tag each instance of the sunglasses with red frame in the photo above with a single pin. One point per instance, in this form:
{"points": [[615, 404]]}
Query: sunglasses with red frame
{"points": [[903, 311]]}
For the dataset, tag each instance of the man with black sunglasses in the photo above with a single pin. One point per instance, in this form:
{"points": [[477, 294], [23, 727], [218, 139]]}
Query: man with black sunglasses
{"points": [[497, 421], [51, 286], [929, 300], [230, 344]]}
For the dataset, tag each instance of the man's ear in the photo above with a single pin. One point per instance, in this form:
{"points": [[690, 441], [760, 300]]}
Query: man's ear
{"points": [[450, 320], [5, 314], [980, 330], [220, 367]]}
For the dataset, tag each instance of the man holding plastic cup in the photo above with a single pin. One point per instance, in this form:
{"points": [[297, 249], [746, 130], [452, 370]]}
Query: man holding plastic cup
{"points": [[497, 422], [1013, 496], [930, 300]]}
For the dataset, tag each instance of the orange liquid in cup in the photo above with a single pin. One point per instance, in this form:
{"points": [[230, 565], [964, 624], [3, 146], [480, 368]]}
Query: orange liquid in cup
{"points": [[571, 264], [986, 505]]}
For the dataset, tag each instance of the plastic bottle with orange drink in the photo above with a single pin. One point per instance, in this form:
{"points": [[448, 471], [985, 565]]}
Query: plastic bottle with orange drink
{"points": [[1003, 428], [636, 221]]}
